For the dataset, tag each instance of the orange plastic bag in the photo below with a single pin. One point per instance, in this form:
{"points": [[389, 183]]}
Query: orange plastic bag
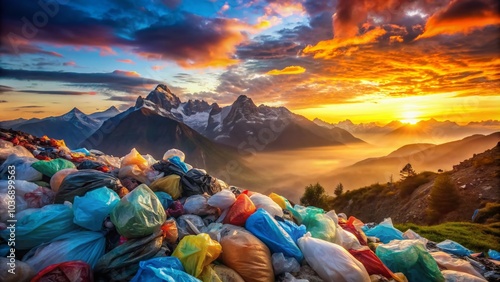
{"points": [[242, 208], [170, 231]]}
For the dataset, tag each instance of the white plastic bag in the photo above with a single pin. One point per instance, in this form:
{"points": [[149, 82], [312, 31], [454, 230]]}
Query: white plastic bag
{"points": [[456, 276], [16, 150], [266, 203], [412, 235], [198, 205], [23, 169], [332, 262], [222, 200], [445, 260], [172, 153]]}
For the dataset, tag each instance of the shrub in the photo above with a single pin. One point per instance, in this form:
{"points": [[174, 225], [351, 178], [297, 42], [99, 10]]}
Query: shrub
{"points": [[443, 198]]}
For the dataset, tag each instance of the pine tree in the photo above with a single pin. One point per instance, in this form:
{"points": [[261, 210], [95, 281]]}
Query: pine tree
{"points": [[444, 196], [339, 189], [407, 171]]}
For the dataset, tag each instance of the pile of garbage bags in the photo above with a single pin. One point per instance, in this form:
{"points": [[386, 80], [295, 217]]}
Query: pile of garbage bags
{"points": [[81, 215]]}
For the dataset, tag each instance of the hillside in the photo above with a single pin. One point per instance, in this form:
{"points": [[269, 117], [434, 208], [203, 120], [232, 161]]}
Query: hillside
{"points": [[477, 180]]}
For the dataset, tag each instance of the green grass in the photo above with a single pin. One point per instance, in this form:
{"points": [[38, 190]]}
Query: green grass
{"points": [[476, 237]]}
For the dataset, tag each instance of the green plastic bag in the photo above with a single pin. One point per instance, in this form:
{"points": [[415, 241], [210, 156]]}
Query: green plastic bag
{"points": [[196, 252], [49, 168], [139, 213], [411, 258], [316, 221]]}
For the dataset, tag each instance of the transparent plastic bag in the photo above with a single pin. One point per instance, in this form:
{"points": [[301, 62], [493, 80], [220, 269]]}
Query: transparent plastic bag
{"points": [[264, 202], [162, 269], [281, 264], [92, 209], [222, 200], [198, 205]]}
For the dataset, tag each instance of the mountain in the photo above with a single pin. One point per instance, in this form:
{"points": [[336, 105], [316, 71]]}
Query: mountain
{"points": [[371, 128], [476, 180], [73, 127], [104, 115], [423, 157]]}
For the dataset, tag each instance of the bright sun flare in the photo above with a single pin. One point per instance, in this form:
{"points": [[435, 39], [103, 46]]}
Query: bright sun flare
{"points": [[410, 117]]}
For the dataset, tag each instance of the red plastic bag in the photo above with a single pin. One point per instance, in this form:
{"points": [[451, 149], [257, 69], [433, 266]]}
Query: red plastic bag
{"points": [[66, 271], [238, 213], [40, 197], [350, 226], [372, 263]]}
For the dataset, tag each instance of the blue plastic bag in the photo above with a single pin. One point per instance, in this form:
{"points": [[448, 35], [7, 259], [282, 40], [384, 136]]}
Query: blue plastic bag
{"points": [[93, 208], [168, 269], [295, 231], [180, 164], [454, 248], [38, 226], [264, 227], [87, 246], [81, 150], [385, 231], [494, 254], [165, 199]]}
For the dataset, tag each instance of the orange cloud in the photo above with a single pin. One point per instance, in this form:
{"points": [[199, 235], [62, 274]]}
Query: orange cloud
{"points": [[287, 70], [461, 17], [127, 73], [126, 61], [274, 12], [157, 68], [341, 46]]}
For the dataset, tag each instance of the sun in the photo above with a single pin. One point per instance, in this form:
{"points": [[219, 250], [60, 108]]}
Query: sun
{"points": [[410, 117]]}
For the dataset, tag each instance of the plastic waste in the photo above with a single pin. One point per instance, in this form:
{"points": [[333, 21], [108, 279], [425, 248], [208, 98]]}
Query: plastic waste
{"points": [[87, 246], [151, 161], [134, 158], [267, 229], [333, 216], [412, 235], [122, 262], [82, 150], [179, 163], [138, 214], [19, 151], [278, 200], [176, 209], [174, 153], [281, 264], [346, 239], [372, 263], [22, 188], [23, 271], [411, 258], [135, 172], [256, 265], [198, 205], [38, 226], [58, 177], [240, 211], [222, 200], [353, 225], [340, 265], [196, 182], [227, 274], [264, 202], [453, 247], [92, 209], [49, 168], [300, 213], [40, 197], [165, 199], [446, 261], [494, 254], [320, 226], [169, 184], [189, 224], [385, 231], [23, 168], [457, 276], [295, 231], [83, 181], [170, 231], [162, 269], [109, 160], [66, 271], [196, 252]]}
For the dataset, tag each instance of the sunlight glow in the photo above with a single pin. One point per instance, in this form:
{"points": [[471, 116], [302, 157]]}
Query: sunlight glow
{"points": [[411, 117]]}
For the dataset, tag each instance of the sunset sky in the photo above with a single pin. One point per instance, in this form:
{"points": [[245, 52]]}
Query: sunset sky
{"points": [[366, 60]]}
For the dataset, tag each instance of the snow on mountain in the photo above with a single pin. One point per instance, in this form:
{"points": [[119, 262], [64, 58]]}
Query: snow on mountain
{"points": [[104, 115]]}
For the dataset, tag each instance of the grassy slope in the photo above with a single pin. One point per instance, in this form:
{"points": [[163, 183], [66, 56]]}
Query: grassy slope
{"points": [[476, 237]]}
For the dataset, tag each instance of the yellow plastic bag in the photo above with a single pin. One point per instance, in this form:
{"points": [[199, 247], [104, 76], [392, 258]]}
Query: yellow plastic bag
{"points": [[278, 200], [169, 184], [134, 158], [196, 252]]}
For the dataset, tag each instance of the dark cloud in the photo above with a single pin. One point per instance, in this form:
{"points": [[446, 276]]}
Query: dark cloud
{"points": [[267, 47], [122, 98], [468, 8], [30, 107], [57, 92], [5, 88], [3, 101]]}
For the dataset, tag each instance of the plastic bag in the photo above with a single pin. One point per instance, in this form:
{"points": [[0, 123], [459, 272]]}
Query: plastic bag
{"points": [[332, 262], [174, 153], [267, 229], [165, 199], [37, 226], [92, 209], [264, 202], [353, 225], [122, 262], [58, 177], [196, 252], [23, 271], [278, 200], [110, 160], [19, 151], [176, 209], [162, 269], [87, 246], [321, 226], [40, 197], [453, 247], [179, 163], [240, 211], [222, 200], [66, 271], [372, 263], [456, 276], [49, 168], [227, 274], [295, 231], [346, 239], [135, 172], [138, 214], [198, 205], [411, 258], [446, 261], [494, 254], [169, 184], [412, 235], [281, 264], [300, 213], [170, 231], [256, 264], [23, 168], [134, 158], [385, 231], [83, 181], [22, 188], [189, 224], [196, 182], [333, 216]]}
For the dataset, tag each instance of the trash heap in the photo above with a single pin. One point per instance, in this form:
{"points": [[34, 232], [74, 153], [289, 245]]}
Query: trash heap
{"points": [[83, 215]]}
